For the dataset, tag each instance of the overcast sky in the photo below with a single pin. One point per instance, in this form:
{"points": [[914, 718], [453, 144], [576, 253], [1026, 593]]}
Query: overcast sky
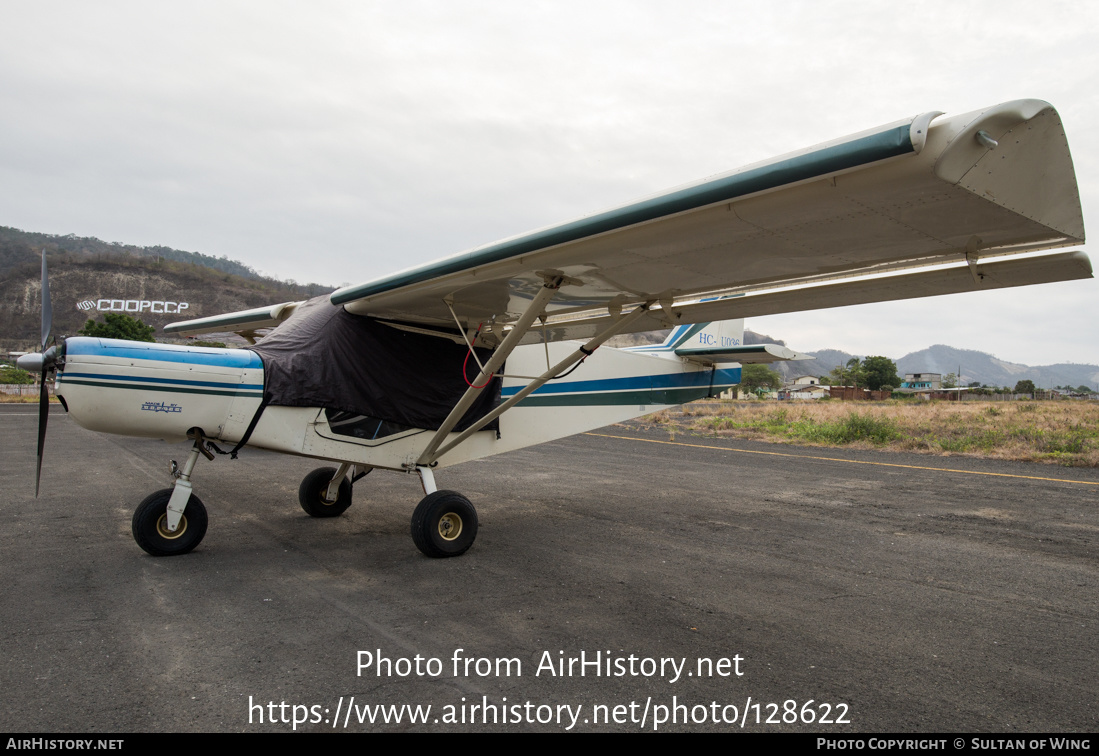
{"points": [[337, 142]]}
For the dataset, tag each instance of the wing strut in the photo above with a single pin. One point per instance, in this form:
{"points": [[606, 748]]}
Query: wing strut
{"points": [[518, 331], [429, 456]]}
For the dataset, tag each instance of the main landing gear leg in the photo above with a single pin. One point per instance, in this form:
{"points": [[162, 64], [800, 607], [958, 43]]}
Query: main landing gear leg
{"points": [[445, 522], [173, 521]]}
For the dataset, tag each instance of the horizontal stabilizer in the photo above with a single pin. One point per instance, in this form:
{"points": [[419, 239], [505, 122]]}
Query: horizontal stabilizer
{"points": [[751, 354]]}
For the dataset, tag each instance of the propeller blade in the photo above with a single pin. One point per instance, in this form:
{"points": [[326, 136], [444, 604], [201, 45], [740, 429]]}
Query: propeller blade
{"points": [[43, 362], [43, 416], [47, 308]]}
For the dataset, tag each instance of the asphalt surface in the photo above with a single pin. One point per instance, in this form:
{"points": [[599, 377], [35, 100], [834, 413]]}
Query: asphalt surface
{"points": [[882, 592]]}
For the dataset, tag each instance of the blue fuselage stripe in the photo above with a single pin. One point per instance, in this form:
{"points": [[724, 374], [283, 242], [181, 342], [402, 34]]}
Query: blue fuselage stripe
{"points": [[725, 377]]}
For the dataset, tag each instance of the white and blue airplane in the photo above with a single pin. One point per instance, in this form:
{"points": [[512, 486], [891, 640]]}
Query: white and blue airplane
{"points": [[498, 348]]}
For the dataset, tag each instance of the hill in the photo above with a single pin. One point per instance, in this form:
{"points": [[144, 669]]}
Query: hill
{"points": [[979, 367], [985, 368], [824, 360], [157, 284], [975, 366], [19, 248]]}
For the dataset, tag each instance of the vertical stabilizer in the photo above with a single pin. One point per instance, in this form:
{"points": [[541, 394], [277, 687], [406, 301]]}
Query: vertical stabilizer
{"points": [[684, 339]]}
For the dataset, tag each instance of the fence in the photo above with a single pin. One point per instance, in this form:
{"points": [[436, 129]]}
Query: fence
{"points": [[851, 393], [23, 389]]}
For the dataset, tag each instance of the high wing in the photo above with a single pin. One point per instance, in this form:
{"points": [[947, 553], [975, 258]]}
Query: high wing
{"points": [[921, 207], [926, 192]]}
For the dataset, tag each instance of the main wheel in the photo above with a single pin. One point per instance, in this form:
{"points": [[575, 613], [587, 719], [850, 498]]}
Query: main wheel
{"points": [[314, 489], [150, 525], [444, 524]]}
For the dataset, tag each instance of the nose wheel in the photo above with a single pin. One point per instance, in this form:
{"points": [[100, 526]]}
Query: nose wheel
{"points": [[150, 525], [444, 524], [173, 521]]}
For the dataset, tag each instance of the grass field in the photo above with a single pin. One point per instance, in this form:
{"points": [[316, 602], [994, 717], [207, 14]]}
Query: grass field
{"points": [[1065, 432], [24, 399]]}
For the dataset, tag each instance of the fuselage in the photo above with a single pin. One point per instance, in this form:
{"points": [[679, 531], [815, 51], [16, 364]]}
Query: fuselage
{"points": [[137, 388], [163, 391]]}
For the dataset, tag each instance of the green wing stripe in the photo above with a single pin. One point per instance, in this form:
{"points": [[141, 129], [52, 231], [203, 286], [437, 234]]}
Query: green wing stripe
{"points": [[871, 148]]}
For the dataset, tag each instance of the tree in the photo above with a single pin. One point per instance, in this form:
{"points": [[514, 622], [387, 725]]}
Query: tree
{"points": [[850, 374], [10, 374], [879, 373], [118, 325], [1025, 387], [950, 380], [755, 377], [874, 373]]}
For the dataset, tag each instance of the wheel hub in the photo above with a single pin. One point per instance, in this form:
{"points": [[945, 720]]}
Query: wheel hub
{"points": [[162, 527], [450, 526]]}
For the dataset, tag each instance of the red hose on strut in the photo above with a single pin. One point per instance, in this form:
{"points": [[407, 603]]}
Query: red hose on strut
{"points": [[465, 362]]}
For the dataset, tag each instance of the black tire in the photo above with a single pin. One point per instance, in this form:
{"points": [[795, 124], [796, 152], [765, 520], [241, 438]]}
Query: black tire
{"points": [[444, 524], [150, 530], [312, 491]]}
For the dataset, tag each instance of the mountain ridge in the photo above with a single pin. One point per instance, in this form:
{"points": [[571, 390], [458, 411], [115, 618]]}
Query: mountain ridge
{"points": [[976, 366], [157, 284]]}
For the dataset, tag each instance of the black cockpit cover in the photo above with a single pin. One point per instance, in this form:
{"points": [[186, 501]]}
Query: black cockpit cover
{"points": [[323, 356]]}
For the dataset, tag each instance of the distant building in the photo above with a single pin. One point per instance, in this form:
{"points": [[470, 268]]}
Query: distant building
{"points": [[815, 391], [929, 386], [803, 387], [922, 381]]}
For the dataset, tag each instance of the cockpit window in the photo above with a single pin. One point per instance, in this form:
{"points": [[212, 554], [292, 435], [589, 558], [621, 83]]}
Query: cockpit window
{"points": [[362, 426]]}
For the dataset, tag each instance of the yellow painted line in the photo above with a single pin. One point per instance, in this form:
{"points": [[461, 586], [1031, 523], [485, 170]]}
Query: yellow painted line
{"points": [[850, 461]]}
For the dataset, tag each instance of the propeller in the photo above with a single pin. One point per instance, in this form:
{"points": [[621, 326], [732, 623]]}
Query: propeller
{"points": [[42, 363]]}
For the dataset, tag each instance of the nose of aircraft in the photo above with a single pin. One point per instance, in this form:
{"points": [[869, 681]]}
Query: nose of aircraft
{"points": [[35, 362], [39, 362]]}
